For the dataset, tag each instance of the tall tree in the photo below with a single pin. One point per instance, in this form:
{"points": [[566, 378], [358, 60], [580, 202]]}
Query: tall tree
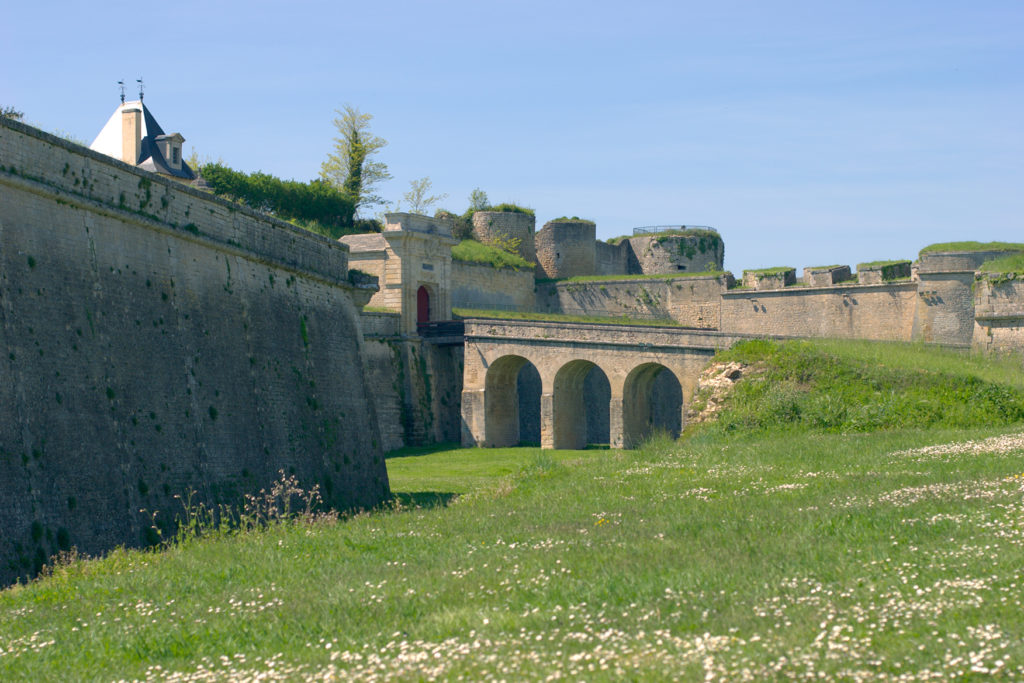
{"points": [[351, 166], [478, 200], [419, 198]]}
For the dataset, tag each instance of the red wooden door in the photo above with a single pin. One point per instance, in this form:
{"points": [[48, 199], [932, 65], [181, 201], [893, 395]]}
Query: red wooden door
{"points": [[422, 305]]}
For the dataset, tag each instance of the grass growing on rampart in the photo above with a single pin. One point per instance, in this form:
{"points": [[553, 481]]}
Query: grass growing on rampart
{"points": [[882, 264], [773, 555], [974, 246], [1012, 263], [712, 236], [561, 317], [778, 270], [610, 278], [472, 251]]}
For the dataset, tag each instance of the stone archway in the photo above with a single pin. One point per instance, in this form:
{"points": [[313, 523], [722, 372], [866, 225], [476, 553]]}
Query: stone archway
{"points": [[571, 404], [652, 399], [509, 390]]}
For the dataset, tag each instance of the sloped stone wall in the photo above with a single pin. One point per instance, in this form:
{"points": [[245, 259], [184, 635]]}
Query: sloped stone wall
{"points": [[154, 341]]}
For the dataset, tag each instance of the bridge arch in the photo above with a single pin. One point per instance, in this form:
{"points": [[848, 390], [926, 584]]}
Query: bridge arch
{"points": [[511, 388], [652, 399], [580, 401]]}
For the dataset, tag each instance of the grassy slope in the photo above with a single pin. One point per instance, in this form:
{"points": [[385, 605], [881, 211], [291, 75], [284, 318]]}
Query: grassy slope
{"points": [[472, 251], [770, 554]]}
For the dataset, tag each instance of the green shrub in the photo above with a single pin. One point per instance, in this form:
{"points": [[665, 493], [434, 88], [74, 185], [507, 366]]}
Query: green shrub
{"points": [[317, 205]]}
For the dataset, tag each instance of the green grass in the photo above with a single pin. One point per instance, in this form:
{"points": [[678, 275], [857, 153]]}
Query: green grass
{"points": [[559, 317], [844, 386], [1012, 263], [573, 219], [772, 554], [690, 232], [974, 246], [779, 270], [379, 309], [882, 264], [609, 278], [472, 251]]}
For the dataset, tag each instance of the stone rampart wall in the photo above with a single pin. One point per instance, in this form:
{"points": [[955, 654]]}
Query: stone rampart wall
{"points": [[860, 312], [154, 341], [611, 259], [478, 285], [566, 249], [491, 226], [999, 313], [690, 301], [662, 254]]}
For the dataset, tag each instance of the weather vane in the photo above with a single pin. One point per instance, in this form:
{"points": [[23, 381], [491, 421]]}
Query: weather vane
{"points": [[121, 85], [139, 81]]}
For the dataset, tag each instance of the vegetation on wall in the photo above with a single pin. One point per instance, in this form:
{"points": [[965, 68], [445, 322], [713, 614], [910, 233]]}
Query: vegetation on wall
{"points": [[1011, 263], [657, 276], [316, 206], [573, 219], [778, 270], [974, 246], [471, 251], [706, 237]]}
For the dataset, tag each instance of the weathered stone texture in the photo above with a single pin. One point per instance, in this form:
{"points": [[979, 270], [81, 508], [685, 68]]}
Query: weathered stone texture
{"points": [[611, 259], [877, 274], [856, 311], [690, 301], [661, 254], [999, 313], [479, 285], [566, 249], [499, 226], [945, 305], [156, 340], [755, 279], [827, 275]]}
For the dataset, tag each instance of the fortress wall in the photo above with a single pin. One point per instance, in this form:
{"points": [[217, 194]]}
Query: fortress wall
{"points": [[566, 249], [417, 391], [861, 312], [489, 226], [662, 254], [478, 285], [945, 307], [156, 340], [691, 301], [376, 324], [611, 259], [999, 314]]}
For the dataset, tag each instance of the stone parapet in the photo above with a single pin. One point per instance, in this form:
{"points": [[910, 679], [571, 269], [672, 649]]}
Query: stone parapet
{"points": [[825, 276], [98, 183], [772, 278], [877, 273]]}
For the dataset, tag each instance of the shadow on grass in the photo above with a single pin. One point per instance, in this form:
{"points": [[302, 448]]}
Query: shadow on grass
{"points": [[410, 451], [424, 499]]}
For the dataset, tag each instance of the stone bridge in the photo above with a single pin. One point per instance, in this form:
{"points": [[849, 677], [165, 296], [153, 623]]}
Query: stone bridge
{"points": [[627, 380]]}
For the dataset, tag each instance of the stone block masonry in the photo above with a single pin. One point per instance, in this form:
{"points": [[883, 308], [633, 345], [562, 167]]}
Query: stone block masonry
{"points": [[154, 341]]}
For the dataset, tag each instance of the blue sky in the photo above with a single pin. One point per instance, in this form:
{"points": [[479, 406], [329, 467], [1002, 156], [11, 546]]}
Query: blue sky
{"points": [[807, 133]]}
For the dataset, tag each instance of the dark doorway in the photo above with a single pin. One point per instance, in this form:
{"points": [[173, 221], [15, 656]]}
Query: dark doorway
{"points": [[422, 305]]}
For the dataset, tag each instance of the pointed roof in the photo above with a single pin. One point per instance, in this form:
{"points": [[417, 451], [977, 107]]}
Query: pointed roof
{"points": [[150, 157]]}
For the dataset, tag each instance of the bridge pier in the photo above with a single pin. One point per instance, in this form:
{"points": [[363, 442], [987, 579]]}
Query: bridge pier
{"points": [[547, 421], [616, 430], [474, 417]]}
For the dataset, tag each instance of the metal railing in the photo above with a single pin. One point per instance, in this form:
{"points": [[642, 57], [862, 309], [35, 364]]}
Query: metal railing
{"points": [[649, 229]]}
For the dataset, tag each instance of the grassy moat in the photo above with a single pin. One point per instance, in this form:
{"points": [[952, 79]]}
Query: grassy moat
{"points": [[856, 512]]}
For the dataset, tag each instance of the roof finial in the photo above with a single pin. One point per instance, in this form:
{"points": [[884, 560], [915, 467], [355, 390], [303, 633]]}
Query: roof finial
{"points": [[121, 85], [139, 81]]}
